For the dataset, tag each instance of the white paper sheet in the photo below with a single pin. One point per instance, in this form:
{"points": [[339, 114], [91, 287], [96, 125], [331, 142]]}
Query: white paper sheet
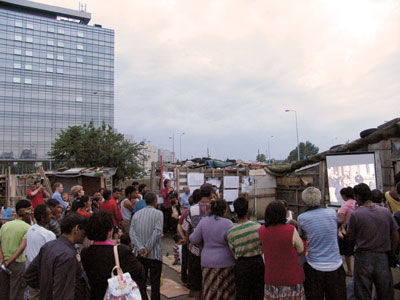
{"points": [[230, 195], [192, 188], [247, 184], [231, 182], [195, 179], [214, 181], [170, 176]]}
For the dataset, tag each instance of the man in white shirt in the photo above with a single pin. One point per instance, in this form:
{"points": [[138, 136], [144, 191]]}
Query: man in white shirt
{"points": [[37, 236], [185, 197]]}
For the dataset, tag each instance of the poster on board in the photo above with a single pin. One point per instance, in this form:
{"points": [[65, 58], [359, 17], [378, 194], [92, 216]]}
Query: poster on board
{"points": [[192, 188], [214, 181], [195, 179], [230, 195], [170, 176], [349, 170], [247, 184], [231, 182]]}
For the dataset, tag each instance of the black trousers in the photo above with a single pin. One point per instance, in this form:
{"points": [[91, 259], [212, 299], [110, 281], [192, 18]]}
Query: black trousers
{"points": [[155, 267], [195, 275], [184, 267], [318, 284], [167, 218], [249, 278]]}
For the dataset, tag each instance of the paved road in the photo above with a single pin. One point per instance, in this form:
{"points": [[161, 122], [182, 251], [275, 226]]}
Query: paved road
{"points": [[167, 245]]}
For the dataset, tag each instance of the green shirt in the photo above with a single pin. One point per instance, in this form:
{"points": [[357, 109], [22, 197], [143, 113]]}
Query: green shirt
{"points": [[243, 239], [11, 234]]}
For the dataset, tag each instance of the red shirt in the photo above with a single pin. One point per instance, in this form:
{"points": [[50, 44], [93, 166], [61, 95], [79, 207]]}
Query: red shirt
{"points": [[183, 216], [282, 267], [83, 213], [37, 199], [115, 211]]}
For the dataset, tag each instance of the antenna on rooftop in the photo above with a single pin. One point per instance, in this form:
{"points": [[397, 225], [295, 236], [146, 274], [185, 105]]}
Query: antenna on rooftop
{"points": [[82, 6]]}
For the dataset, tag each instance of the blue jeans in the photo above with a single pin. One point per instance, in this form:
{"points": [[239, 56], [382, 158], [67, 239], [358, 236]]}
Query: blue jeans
{"points": [[372, 268], [350, 290]]}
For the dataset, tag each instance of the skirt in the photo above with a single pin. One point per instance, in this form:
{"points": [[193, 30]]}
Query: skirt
{"points": [[219, 284], [285, 292], [346, 246]]}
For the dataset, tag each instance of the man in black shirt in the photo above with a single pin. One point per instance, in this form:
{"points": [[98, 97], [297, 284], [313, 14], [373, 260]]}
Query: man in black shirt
{"points": [[57, 269]]}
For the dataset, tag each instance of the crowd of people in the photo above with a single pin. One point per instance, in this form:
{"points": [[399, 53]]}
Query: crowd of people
{"points": [[63, 248]]}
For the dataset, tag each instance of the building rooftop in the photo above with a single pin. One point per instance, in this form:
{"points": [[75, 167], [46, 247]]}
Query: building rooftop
{"points": [[45, 10]]}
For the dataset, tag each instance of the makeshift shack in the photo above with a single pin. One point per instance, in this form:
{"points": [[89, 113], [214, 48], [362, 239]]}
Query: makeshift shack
{"points": [[92, 179], [380, 145], [231, 181]]}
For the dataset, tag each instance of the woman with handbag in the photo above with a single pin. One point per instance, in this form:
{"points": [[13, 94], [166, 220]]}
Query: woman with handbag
{"points": [[100, 259]]}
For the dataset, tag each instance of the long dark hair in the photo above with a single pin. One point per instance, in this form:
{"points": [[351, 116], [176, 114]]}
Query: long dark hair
{"points": [[80, 202], [99, 225], [218, 208], [275, 214]]}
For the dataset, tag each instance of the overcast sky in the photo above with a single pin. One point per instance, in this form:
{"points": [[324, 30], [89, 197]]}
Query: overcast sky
{"points": [[224, 71]]}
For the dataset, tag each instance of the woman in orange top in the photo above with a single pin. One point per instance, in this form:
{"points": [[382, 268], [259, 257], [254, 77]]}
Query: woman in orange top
{"points": [[84, 205]]}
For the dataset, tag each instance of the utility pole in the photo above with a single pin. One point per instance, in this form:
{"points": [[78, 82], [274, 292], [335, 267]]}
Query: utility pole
{"points": [[173, 147], [297, 133], [180, 146]]}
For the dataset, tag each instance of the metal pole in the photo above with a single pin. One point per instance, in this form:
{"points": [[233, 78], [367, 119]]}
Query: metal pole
{"points": [[173, 147], [180, 146], [269, 151], [297, 136], [297, 133]]}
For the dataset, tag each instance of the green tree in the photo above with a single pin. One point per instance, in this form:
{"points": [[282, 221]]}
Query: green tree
{"points": [[306, 149], [261, 157], [88, 146]]}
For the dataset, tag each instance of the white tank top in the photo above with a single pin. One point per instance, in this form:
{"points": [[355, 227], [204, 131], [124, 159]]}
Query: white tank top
{"points": [[126, 213], [290, 216]]}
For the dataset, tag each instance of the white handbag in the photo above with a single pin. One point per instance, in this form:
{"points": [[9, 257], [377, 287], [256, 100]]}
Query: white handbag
{"points": [[121, 286]]}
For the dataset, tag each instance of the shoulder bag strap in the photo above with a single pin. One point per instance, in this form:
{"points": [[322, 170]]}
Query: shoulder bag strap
{"points": [[117, 266]]}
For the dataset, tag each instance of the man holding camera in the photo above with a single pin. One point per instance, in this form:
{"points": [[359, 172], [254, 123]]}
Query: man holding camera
{"points": [[36, 193]]}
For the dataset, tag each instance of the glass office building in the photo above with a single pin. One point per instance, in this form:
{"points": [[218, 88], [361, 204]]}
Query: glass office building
{"points": [[55, 71]]}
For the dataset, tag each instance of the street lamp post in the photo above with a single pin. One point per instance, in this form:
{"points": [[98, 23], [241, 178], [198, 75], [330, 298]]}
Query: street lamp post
{"points": [[180, 146], [269, 152], [297, 133], [173, 146]]}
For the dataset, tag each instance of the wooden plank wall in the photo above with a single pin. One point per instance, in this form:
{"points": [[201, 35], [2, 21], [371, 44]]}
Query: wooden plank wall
{"points": [[262, 196], [384, 164]]}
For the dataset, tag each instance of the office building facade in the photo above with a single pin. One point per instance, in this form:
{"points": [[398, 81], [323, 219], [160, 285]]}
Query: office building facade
{"points": [[55, 71]]}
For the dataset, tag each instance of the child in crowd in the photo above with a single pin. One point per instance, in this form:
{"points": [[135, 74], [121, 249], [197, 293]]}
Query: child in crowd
{"points": [[175, 215], [59, 214], [117, 233], [65, 197], [126, 240], [178, 249], [96, 199]]}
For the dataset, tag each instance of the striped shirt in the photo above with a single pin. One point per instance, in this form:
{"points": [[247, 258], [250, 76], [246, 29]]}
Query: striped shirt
{"points": [[243, 239], [320, 226], [146, 231], [192, 219]]}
